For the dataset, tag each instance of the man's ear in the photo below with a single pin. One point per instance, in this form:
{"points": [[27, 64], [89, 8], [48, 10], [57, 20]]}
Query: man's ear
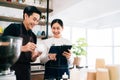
{"points": [[62, 28], [25, 16]]}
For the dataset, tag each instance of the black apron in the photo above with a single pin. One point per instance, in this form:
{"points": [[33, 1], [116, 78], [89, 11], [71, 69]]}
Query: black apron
{"points": [[55, 69], [22, 66]]}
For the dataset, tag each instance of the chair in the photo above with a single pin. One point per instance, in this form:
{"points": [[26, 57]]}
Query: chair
{"points": [[102, 74], [114, 71], [100, 63], [91, 75]]}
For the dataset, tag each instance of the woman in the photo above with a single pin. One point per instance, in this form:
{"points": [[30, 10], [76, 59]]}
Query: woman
{"points": [[56, 65]]}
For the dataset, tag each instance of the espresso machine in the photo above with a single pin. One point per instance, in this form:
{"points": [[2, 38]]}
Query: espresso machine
{"points": [[10, 48]]}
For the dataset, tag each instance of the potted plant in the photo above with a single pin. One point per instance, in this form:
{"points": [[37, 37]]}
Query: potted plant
{"points": [[79, 50]]}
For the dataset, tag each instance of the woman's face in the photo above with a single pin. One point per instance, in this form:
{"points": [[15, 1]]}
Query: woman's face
{"points": [[31, 21], [57, 30]]}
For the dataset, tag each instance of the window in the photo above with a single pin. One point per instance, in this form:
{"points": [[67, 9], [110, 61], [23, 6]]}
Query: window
{"points": [[102, 43], [116, 45]]}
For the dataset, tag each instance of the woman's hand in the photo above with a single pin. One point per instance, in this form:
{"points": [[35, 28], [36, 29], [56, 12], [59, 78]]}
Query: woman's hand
{"points": [[28, 47], [52, 56], [67, 54]]}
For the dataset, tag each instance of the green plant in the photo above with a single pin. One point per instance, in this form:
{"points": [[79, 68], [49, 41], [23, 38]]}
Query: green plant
{"points": [[79, 47]]}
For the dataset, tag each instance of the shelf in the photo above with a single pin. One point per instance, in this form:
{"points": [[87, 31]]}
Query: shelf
{"points": [[40, 36], [20, 6], [12, 19], [8, 19]]}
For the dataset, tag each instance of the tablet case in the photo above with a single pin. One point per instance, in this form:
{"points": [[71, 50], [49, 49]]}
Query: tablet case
{"points": [[59, 49]]}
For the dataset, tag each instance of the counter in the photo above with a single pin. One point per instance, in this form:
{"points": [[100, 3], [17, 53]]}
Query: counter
{"points": [[37, 71], [37, 68]]}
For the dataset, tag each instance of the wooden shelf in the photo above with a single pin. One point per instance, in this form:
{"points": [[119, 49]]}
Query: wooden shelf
{"points": [[20, 6], [12, 19], [40, 36]]}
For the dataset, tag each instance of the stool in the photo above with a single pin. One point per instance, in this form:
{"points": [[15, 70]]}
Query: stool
{"points": [[91, 75], [114, 71], [100, 63], [102, 74]]}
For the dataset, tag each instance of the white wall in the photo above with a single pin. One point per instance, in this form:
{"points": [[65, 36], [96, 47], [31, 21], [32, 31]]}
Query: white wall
{"points": [[79, 13]]}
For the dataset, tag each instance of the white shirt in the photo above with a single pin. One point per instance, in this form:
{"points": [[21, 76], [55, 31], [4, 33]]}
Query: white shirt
{"points": [[47, 43]]}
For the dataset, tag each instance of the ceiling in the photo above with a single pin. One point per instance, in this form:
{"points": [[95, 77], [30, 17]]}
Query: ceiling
{"points": [[87, 13]]}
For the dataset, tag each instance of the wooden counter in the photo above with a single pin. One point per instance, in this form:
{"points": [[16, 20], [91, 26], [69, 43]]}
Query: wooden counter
{"points": [[37, 77], [37, 74]]}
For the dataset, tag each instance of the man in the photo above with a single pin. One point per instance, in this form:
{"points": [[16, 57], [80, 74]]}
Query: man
{"points": [[31, 17]]}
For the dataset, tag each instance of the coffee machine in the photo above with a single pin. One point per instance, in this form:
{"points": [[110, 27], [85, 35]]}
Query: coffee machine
{"points": [[10, 48]]}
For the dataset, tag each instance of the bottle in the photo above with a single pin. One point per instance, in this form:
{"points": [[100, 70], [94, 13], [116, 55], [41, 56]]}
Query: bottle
{"points": [[65, 76], [38, 33], [1, 29], [43, 33], [20, 1], [9, 0]]}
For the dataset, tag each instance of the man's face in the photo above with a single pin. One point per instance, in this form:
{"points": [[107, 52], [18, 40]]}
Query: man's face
{"points": [[31, 21]]}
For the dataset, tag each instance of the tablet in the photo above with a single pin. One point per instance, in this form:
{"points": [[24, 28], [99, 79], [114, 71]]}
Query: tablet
{"points": [[59, 49]]}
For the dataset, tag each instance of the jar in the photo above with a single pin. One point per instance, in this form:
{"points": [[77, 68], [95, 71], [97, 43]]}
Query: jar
{"points": [[9, 0], [1, 29]]}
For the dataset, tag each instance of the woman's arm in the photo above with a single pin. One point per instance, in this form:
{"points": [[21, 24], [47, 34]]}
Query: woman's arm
{"points": [[42, 48]]}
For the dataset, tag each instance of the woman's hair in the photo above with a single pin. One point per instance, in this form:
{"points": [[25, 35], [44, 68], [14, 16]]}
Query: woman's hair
{"points": [[59, 21], [29, 10]]}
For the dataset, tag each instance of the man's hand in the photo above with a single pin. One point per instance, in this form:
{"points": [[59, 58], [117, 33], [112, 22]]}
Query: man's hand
{"points": [[28, 47], [35, 54]]}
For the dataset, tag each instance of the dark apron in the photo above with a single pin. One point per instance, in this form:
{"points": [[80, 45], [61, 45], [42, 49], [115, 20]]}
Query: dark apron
{"points": [[22, 66], [55, 69]]}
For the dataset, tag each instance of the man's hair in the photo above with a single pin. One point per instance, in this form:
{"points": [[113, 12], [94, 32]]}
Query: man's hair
{"points": [[29, 10]]}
